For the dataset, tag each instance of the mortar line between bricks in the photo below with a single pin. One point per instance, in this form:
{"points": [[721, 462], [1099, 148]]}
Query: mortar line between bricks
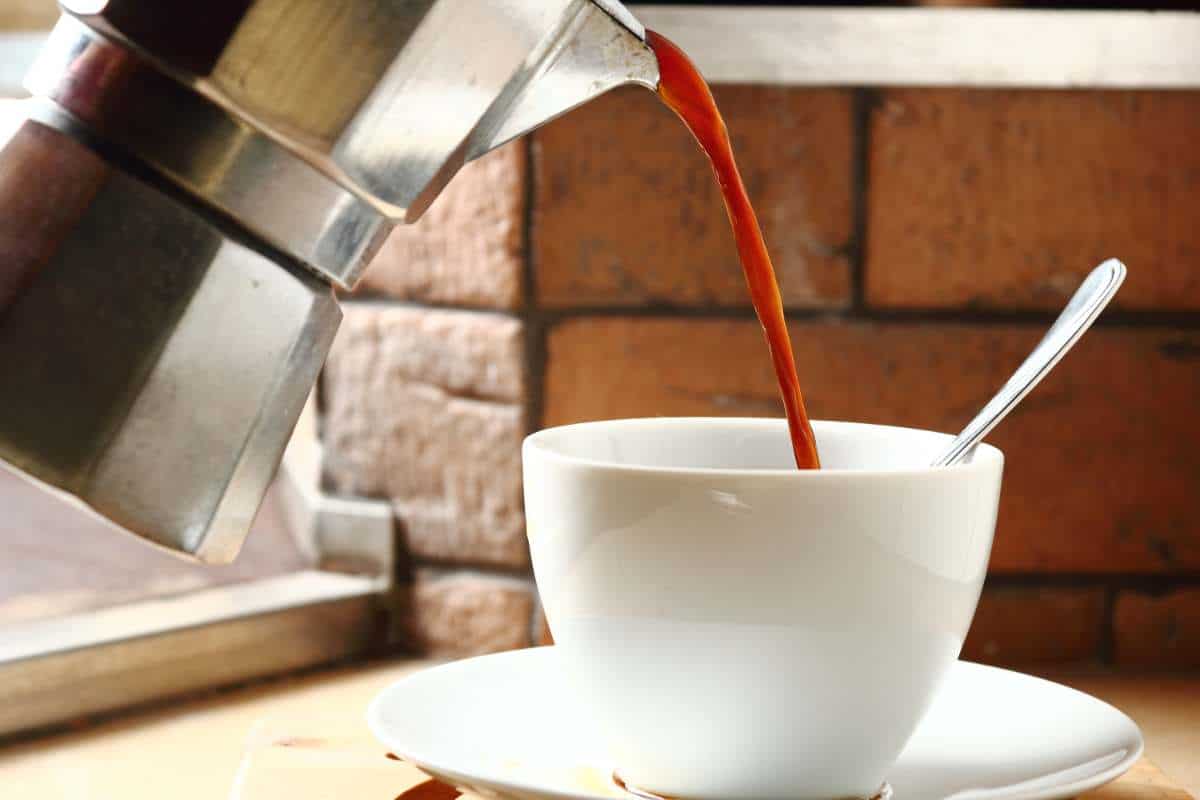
{"points": [[1108, 628], [1115, 318], [535, 329], [1112, 319], [534, 351], [528, 273], [451, 565], [862, 102], [1148, 582]]}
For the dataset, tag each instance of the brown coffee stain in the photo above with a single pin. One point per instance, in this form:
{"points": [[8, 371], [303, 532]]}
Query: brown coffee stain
{"points": [[429, 790]]}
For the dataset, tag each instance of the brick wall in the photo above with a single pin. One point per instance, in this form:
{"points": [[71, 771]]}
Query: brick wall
{"points": [[923, 238]]}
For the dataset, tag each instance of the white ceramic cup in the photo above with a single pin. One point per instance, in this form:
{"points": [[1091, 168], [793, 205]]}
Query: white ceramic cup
{"points": [[738, 628]]}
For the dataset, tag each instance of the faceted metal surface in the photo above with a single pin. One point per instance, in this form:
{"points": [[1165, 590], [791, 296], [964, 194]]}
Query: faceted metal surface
{"points": [[378, 94], [121, 98], [153, 366]]}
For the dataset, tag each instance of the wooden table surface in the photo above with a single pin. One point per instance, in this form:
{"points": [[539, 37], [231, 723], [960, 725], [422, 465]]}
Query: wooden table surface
{"points": [[192, 750]]}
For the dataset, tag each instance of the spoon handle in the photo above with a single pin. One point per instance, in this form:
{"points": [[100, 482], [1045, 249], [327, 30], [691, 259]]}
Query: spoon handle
{"points": [[1086, 304]]}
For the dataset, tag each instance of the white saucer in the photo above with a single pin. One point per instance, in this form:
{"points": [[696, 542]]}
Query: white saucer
{"points": [[505, 726]]}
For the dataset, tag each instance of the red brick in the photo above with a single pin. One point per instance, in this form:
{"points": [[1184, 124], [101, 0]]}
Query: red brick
{"points": [[469, 247], [1158, 631], [1036, 626], [1103, 463], [1005, 199], [627, 210], [426, 408], [463, 613]]}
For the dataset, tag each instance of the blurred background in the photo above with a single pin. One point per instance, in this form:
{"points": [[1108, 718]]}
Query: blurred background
{"points": [[924, 237]]}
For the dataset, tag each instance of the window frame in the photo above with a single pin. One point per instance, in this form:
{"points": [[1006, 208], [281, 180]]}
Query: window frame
{"points": [[60, 669]]}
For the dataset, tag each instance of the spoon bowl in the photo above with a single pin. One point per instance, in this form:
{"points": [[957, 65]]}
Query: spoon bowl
{"points": [[1097, 289]]}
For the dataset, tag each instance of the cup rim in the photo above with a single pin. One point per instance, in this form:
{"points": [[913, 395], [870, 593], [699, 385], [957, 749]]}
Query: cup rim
{"points": [[986, 455]]}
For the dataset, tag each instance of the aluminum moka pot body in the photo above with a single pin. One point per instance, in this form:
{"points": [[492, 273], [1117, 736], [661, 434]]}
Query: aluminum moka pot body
{"points": [[190, 184]]}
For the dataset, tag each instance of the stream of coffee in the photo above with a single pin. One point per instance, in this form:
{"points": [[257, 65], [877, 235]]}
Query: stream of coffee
{"points": [[684, 91]]}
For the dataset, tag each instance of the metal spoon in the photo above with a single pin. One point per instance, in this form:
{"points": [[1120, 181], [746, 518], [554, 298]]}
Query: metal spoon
{"points": [[1088, 301]]}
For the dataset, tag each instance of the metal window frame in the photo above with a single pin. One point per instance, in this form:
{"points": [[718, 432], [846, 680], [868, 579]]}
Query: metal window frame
{"points": [[61, 669], [932, 47], [919, 47]]}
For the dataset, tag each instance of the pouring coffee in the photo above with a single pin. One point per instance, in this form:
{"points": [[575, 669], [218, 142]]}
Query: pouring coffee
{"points": [[206, 176]]}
